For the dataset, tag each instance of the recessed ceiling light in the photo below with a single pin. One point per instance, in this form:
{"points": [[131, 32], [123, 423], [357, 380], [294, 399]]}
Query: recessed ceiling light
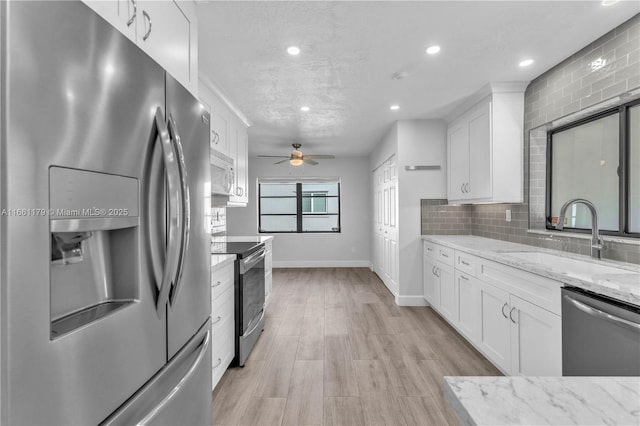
{"points": [[609, 2], [432, 50], [304, 108], [394, 107], [293, 50], [526, 62]]}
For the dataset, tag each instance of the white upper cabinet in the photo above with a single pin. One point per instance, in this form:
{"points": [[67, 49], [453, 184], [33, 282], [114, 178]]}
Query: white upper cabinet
{"points": [[485, 147], [229, 135], [240, 152], [166, 30]]}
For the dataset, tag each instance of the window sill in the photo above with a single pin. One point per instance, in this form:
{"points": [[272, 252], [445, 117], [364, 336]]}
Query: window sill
{"points": [[577, 235]]}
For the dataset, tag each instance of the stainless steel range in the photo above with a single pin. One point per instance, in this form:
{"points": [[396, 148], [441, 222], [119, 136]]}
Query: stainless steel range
{"points": [[249, 293]]}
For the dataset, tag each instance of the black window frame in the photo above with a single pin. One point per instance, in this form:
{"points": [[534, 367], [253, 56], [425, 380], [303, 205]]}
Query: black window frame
{"points": [[624, 148], [299, 213]]}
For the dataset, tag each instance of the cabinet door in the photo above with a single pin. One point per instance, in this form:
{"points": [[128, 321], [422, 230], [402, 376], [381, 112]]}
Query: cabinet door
{"points": [[220, 129], [494, 338], [431, 284], [448, 297], [242, 168], [458, 138], [119, 13], [167, 31], [468, 297], [480, 152], [536, 340]]}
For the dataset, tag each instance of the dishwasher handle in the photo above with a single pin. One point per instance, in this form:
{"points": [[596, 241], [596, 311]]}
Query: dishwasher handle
{"points": [[590, 310]]}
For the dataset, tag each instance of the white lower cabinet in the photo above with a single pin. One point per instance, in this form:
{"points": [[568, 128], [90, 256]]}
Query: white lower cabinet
{"points": [[268, 268], [431, 283], [517, 336], [493, 339], [222, 321], [536, 340], [448, 295], [468, 307]]}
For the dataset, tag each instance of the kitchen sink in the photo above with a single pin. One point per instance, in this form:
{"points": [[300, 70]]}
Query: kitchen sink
{"points": [[568, 265]]}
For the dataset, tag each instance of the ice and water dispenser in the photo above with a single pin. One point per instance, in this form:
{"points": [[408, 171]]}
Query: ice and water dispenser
{"points": [[94, 224]]}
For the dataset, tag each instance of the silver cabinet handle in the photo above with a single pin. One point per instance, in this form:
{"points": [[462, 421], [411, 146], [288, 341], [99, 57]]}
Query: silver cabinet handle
{"points": [[589, 310], [217, 320], [216, 284], [135, 12], [217, 364], [464, 278], [433, 271], [505, 306], [462, 188], [465, 263], [429, 249], [444, 255], [148, 19], [438, 272], [466, 187], [511, 315]]}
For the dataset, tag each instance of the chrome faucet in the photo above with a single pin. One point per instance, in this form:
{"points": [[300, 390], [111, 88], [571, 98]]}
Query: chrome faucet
{"points": [[597, 244]]}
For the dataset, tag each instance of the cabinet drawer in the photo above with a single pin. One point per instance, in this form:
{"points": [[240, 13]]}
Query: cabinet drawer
{"points": [[222, 279], [429, 249], [540, 291], [222, 309], [446, 255], [223, 351], [466, 263]]}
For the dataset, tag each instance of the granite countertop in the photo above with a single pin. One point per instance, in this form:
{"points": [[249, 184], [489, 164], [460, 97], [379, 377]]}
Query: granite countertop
{"points": [[544, 400], [623, 284]]}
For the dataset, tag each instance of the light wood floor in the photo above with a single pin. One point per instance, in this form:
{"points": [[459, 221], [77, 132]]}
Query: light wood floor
{"points": [[337, 350]]}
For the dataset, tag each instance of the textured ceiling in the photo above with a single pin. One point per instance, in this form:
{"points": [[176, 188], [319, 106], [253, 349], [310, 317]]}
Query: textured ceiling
{"points": [[350, 51]]}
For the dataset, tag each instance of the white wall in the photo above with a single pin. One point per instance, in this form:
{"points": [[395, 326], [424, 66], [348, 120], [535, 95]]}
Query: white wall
{"points": [[420, 143], [348, 248]]}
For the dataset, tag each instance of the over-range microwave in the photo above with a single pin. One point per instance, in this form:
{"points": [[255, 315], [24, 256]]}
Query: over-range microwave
{"points": [[222, 174]]}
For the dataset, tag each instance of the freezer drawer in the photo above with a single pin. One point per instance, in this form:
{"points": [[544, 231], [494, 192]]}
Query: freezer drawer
{"points": [[180, 394]]}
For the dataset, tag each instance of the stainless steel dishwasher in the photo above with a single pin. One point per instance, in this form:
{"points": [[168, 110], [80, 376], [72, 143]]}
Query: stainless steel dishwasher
{"points": [[600, 336]]}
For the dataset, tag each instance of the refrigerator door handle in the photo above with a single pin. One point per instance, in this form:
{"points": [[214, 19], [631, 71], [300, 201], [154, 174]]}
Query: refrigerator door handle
{"points": [[186, 207], [173, 246], [185, 379]]}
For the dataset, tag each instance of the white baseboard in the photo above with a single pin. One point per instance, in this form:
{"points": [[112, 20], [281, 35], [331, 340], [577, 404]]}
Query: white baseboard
{"points": [[322, 264], [411, 301]]}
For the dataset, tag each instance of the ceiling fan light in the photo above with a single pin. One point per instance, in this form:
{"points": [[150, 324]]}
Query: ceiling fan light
{"points": [[296, 161]]}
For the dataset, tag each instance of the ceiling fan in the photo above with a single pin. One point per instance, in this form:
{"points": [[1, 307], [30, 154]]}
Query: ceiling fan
{"points": [[297, 158]]}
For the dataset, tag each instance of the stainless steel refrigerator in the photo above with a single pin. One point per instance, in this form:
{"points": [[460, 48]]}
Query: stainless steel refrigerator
{"points": [[104, 251]]}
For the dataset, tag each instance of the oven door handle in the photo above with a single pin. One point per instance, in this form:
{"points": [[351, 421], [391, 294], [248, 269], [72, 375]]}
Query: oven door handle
{"points": [[248, 333], [251, 261], [589, 310]]}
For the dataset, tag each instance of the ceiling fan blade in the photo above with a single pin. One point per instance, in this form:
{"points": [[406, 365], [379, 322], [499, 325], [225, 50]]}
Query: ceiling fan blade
{"points": [[281, 161], [328, 157], [274, 156], [309, 161]]}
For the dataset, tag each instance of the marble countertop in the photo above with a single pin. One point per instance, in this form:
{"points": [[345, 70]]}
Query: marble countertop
{"points": [[240, 238], [219, 261], [544, 400], [623, 284]]}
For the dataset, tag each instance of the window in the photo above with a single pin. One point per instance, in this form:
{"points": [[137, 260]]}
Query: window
{"points": [[597, 158], [296, 207]]}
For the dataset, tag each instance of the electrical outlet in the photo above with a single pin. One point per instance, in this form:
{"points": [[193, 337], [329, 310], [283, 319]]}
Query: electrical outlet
{"points": [[508, 215]]}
